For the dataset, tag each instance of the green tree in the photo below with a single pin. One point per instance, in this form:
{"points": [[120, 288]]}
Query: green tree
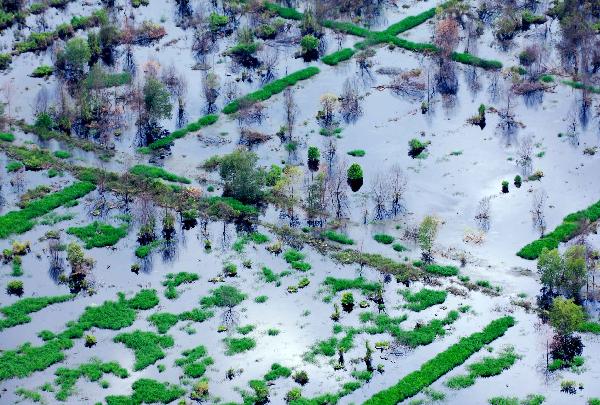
{"points": [[428, 230], [575, 270], [157, 100], [73, 59], [566, 316], [243, 180], [550, 268]]}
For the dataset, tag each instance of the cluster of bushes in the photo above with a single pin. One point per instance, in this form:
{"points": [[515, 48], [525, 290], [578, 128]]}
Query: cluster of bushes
{"points": [[180, 133], [148, 391], [441, 364], [563, 233], [21, 221], [37, 41], [275, 87]]}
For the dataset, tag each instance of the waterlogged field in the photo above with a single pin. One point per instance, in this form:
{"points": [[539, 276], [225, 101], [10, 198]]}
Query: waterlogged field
{"points": [[332, 202]]}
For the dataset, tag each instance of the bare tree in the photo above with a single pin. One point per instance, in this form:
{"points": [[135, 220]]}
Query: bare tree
{"points": [[337, 189], [483, 214], [380, 194], [538, 204], [350, 101], [397, 183], [269, 58], [210, 88], [525, 155], [290, 110]]}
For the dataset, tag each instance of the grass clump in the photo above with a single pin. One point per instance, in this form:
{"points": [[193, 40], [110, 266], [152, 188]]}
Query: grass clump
{"points": [[6, 137], [270, 89], [147, 346], [148, 391], [99, 234], [338, 237], [357, 153], [277, 371], [18, 313], [468, 59], [383, 238], [66, 378], [238, 345], [174, 280], [423, 299], [567, 230], [16, 222], [402, 271], [296, 259], [62, 154], [158, 173], [441, 364], [33, 396]]}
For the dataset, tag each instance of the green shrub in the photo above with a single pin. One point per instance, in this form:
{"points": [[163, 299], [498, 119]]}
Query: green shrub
{"points": [[355, 172], [309, 43], [168, 140], [5, 60], [42, 71], [313, 153]]}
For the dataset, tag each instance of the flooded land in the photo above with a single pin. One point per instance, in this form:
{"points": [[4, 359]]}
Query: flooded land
{"points": [[310, 202]]}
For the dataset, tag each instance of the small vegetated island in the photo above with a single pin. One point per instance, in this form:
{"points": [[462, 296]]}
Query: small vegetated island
{"points": [[307, 203]]}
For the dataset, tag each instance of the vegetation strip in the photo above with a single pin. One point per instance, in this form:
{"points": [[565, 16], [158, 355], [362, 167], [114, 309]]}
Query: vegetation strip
{"points": [[566, 231], [158, 173], [21, 221], [168, 140], [441, 364], [18, 313], [270, 89]]}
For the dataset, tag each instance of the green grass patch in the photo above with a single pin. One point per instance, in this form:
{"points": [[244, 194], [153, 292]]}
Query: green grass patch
{"points": [[468, 59], [277, 371], [147, 391], [423, 299], [154, 172], [446, 271], [442, 363], [582, 86], [194, 362], [6, 137], [17, 222], [145, 250], [99, 234], [402, 271], [147, 346]]}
